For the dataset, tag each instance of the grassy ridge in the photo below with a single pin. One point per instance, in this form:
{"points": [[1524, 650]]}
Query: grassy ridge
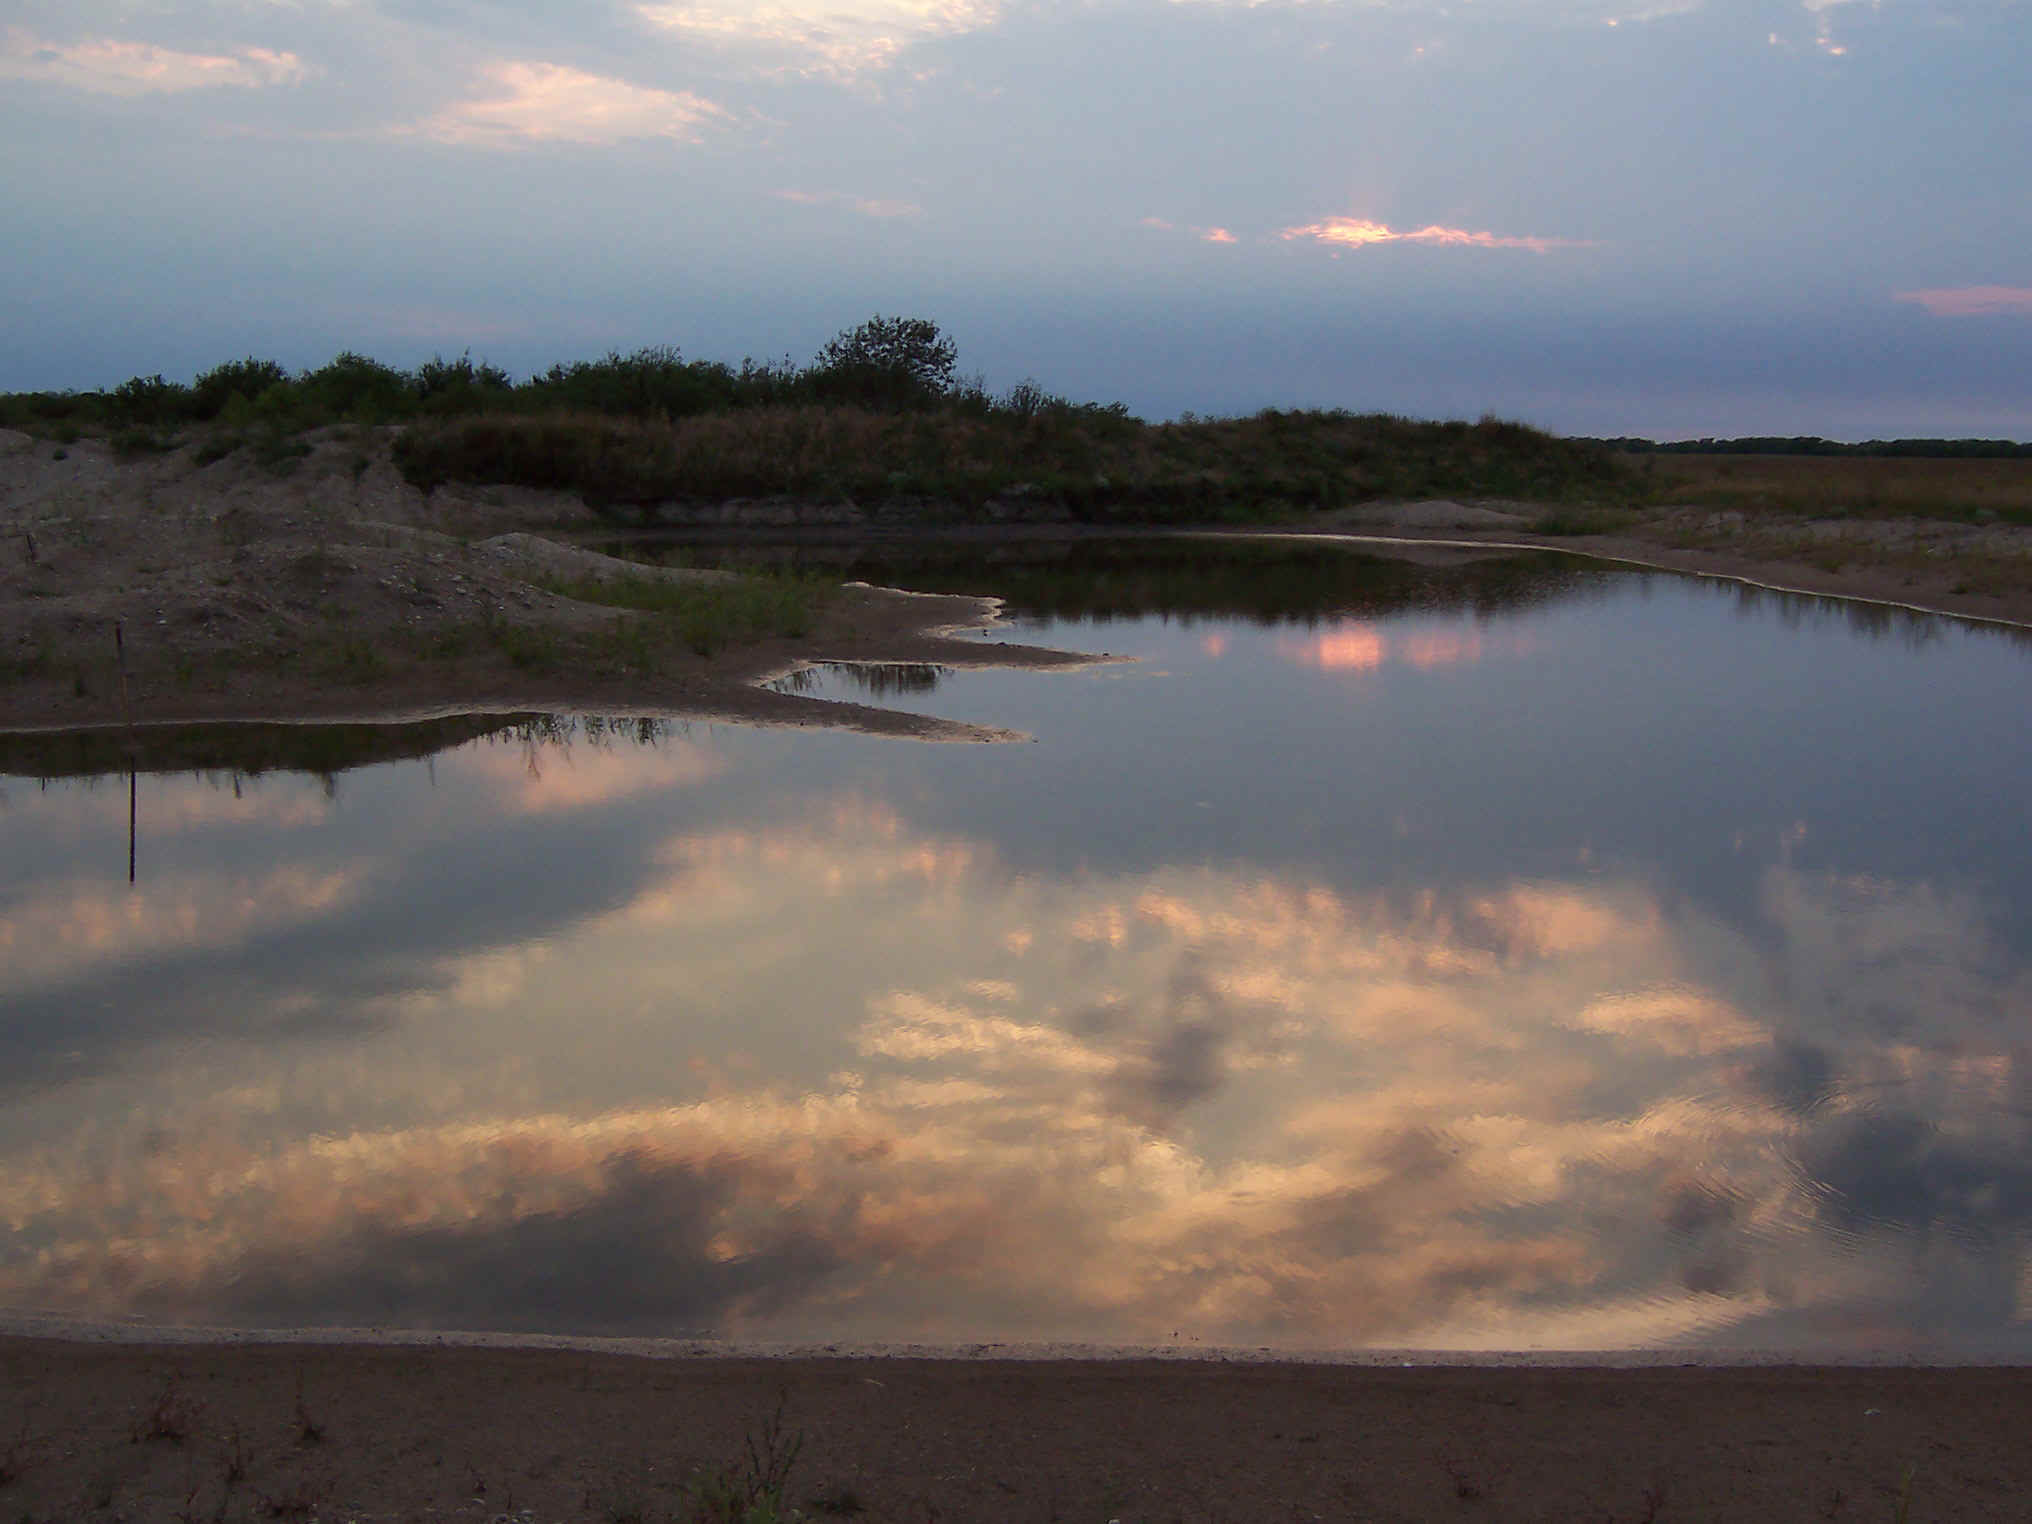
{"points": [[878, 418], [1098, 464]]}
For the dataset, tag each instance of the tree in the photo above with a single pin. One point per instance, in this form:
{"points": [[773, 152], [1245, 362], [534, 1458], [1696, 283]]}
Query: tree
{"points": [[886, 363]]}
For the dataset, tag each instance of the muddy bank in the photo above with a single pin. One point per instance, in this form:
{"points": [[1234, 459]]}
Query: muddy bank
{"points": [[160, 590]]}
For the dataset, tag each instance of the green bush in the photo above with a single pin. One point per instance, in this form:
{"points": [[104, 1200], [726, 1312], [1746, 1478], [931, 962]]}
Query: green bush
{"points": [[213, 392], [886, 363], [354, 387]]}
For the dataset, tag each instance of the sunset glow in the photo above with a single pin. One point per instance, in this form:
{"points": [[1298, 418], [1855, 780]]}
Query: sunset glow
{"points": [[1358, 646], [1972, 301], [111, 67], [867, 206], [547, 102], [1359, 232], [1351, 648]]}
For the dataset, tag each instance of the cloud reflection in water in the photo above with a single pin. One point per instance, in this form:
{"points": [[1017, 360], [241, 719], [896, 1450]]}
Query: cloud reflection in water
{"points": [[829, 1075]]}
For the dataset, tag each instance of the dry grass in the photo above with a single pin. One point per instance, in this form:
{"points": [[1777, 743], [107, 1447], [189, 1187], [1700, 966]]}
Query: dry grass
{"points": [[1821, 486]]}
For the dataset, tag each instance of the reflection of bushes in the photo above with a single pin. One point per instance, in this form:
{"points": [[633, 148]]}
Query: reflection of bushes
{"points": [[1185, 577], [240, 748]]}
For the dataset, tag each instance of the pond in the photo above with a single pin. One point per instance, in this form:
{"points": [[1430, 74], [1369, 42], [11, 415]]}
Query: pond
{"points": [[1419, 949]]}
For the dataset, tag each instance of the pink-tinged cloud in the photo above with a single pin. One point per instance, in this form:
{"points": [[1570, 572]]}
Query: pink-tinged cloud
{"points": [[1156, 222], [820, 37], [866, 206], [1973, 301], [540, 102], [1216, 235], [106, 66], [1359, 232]]}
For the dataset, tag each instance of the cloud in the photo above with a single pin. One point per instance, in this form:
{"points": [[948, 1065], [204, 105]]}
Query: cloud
{"points": [[67, 931], [1972, 301], [541, 102], [1359, 232], [817, 37], [865, 205], [1216, 235], [109, 66]]}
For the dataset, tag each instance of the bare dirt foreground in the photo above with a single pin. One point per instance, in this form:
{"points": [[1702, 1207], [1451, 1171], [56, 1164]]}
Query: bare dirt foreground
{"points": [[386, 1433], [328, 587]]}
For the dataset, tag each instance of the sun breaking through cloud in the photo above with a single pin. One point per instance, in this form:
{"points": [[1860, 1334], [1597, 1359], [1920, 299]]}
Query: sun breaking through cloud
{"points": [[1973, 301], [541, 102], [1359, 232], [108, 66], [867, 206]]}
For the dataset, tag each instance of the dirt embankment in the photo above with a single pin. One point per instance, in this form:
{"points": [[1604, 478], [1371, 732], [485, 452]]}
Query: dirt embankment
{"points": [[159, 588], [322, 585]]}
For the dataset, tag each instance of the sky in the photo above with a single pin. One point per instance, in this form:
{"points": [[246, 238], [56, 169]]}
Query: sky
{"points": [[1662, 217]]}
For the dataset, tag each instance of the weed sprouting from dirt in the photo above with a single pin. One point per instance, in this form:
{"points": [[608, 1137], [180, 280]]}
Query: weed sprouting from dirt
{"points": [[309, 1431], [750, 1491], [839, 1503], [170, 1417]]}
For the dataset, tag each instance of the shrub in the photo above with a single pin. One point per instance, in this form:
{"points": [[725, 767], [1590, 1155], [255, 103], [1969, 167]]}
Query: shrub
{"points": [[149, 400], [213, 392], [649, 383], [889, 363], [353, 386]]}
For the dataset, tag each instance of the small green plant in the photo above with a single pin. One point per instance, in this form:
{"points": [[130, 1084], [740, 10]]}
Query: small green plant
{"points": [[526, 647], [1904, 1510], [356, 661], [751, 1491]]}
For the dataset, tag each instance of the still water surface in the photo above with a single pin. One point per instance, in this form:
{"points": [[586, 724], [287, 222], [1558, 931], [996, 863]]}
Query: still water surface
{"points": [[1509, 955]]}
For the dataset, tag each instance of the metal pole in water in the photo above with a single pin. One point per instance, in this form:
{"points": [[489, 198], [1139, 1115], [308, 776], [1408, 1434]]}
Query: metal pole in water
{"points": [[133, 755]]}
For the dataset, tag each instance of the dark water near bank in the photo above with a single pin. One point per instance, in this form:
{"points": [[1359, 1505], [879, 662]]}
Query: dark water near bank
{"points": [[1497, 954]]}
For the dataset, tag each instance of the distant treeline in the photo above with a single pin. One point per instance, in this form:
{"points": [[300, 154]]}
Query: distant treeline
{"points": [[1810, 444], [886, 364], [877, 418]]}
